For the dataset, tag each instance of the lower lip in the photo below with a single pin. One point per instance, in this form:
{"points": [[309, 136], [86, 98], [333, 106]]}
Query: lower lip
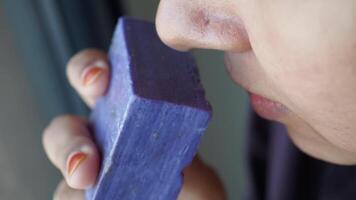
{"points": [[266, 108]]}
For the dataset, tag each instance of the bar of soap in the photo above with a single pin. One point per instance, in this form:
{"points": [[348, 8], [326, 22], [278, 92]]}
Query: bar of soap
{"points": [[150, 122]]}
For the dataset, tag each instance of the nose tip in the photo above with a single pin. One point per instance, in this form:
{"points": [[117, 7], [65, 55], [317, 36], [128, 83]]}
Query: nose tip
{"points": [[186, 26]]}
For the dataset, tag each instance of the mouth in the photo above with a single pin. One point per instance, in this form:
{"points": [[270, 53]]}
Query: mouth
{"points": [[267, 108]]}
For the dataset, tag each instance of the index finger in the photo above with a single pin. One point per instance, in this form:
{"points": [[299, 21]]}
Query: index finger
{"points": [[88, 73]]}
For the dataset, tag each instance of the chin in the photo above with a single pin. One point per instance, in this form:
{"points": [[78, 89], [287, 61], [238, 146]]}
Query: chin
{"points": [[314, 145]]}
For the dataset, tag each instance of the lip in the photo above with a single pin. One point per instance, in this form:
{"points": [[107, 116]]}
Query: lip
{"points": [[267, 108], [264, 107]]}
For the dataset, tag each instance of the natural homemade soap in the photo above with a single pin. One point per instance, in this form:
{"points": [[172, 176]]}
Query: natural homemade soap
{"points": [[150, 122]]}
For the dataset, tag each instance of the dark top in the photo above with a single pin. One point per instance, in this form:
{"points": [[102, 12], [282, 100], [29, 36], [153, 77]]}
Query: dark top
{"points": [[277, 170]]}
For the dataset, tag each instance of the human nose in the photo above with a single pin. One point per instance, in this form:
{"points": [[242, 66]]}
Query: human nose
{"points": [[208, 24]]}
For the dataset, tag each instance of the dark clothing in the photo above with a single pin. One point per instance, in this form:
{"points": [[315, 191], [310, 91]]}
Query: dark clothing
{"points": [[279, 171]]}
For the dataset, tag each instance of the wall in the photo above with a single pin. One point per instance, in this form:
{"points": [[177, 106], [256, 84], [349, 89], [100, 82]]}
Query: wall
{"points": [[25, 171]]}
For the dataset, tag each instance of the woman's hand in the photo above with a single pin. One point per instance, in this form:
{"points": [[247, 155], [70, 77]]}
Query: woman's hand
{"points": [[69, 146]]}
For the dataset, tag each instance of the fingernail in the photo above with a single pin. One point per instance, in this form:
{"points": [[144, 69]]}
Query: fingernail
{"points": [[92, 73], [74, 162]]}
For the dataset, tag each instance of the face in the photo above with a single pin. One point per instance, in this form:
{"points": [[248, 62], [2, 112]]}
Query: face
{"points": [[297, 60]]}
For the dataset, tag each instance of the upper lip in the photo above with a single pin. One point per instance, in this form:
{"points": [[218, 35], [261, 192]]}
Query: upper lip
{"points": [[248, 87], [228, 65]]}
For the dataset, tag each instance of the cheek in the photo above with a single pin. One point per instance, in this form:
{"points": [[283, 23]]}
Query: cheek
{"points": [[322, 94], [313, 71], [328, 106]]}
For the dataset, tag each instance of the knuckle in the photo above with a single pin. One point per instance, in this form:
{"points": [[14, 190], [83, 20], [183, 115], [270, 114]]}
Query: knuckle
{"points": [[78, 62], [63, 134], [66, 119], [82, 55], [56, 123], [78, 56]]}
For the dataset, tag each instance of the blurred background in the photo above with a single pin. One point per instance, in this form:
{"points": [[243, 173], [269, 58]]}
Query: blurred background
{"points": [[37, 37]]}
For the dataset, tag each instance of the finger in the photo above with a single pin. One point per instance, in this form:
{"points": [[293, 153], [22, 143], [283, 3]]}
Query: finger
{"points": [[70, 148], [201, 183], [64, 192], [88, 73]]}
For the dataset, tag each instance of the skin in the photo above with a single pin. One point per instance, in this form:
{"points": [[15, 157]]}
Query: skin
{"points": [[301, 54]]}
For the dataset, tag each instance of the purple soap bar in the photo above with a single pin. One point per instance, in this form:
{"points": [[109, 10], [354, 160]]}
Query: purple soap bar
{"points": [[150, 122]]}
